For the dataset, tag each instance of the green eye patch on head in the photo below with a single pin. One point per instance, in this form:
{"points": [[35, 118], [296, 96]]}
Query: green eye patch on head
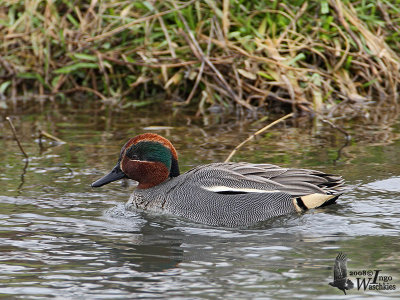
{"points": [[150, 151]]}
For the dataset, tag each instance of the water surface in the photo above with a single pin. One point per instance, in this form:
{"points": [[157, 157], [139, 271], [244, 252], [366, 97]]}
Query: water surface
{"points": [[60, 238]]}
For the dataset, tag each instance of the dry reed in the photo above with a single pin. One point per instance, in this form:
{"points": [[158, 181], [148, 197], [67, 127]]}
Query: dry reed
{"points": [[337, 58]]}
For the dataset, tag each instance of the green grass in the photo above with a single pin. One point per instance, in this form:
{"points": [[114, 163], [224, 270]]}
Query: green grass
{"points": [[301, 55]]}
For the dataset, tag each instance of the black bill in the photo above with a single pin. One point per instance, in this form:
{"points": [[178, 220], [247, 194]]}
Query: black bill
{"points": [[114, 175]]}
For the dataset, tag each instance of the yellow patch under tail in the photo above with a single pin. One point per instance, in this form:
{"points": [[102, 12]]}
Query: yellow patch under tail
{"points": [[312, 201]]}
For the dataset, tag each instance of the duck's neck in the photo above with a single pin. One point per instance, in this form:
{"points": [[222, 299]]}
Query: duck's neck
{"points": [[174, 168]]}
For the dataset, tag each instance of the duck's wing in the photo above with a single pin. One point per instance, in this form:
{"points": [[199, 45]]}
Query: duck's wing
{"points": [[239, 194], [237, 177]]}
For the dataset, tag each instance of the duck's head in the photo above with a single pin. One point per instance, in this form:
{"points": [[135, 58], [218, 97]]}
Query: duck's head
{"points": [[148, 158]]}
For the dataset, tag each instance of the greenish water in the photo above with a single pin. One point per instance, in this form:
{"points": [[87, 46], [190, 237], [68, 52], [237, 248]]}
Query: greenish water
{"points": [[59, 238]]}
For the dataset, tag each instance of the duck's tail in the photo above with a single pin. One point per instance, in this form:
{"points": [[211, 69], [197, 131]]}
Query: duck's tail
{"points": [[316, 200]]}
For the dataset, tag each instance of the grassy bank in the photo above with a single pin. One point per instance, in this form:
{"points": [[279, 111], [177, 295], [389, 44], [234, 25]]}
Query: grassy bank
{"points": [[340, 58]]}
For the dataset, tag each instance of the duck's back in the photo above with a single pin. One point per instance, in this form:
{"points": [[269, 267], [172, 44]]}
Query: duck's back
{"points": [[235, 194]]}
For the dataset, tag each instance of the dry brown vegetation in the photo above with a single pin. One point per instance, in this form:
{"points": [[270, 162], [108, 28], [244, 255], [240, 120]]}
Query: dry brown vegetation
{"points": [[338, 58]]}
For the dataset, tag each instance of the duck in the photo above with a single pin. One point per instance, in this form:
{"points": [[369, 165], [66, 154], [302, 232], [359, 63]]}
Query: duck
{"points": [[222, 194]]}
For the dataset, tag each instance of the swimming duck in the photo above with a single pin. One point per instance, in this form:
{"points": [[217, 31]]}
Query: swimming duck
{"points": [[217, 194]]}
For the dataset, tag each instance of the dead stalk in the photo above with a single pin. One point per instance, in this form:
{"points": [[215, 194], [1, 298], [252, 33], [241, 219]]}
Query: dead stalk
{"points": [[257, 133], [49, 136], [16, 137], [338, 128]]}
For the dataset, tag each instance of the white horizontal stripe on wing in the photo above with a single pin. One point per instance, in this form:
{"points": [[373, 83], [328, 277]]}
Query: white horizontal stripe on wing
{"points": [[221, 189]]}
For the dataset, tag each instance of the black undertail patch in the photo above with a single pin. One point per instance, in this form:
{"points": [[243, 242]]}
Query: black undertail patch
{"points": [[301, 204], [330, 201]]}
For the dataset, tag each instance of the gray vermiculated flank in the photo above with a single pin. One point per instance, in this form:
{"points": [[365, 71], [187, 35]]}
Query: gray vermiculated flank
{"points": [[187, 196]]}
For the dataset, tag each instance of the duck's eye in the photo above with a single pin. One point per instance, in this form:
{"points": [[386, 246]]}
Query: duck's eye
{"points": [[133, 157], [132, 154]]}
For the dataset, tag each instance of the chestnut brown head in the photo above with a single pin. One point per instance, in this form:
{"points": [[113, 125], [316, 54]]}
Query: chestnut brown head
{"points": [[148, 158]]}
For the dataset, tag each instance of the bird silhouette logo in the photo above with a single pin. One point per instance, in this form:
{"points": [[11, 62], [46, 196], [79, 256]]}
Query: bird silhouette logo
{"points": [[340, 279]]}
